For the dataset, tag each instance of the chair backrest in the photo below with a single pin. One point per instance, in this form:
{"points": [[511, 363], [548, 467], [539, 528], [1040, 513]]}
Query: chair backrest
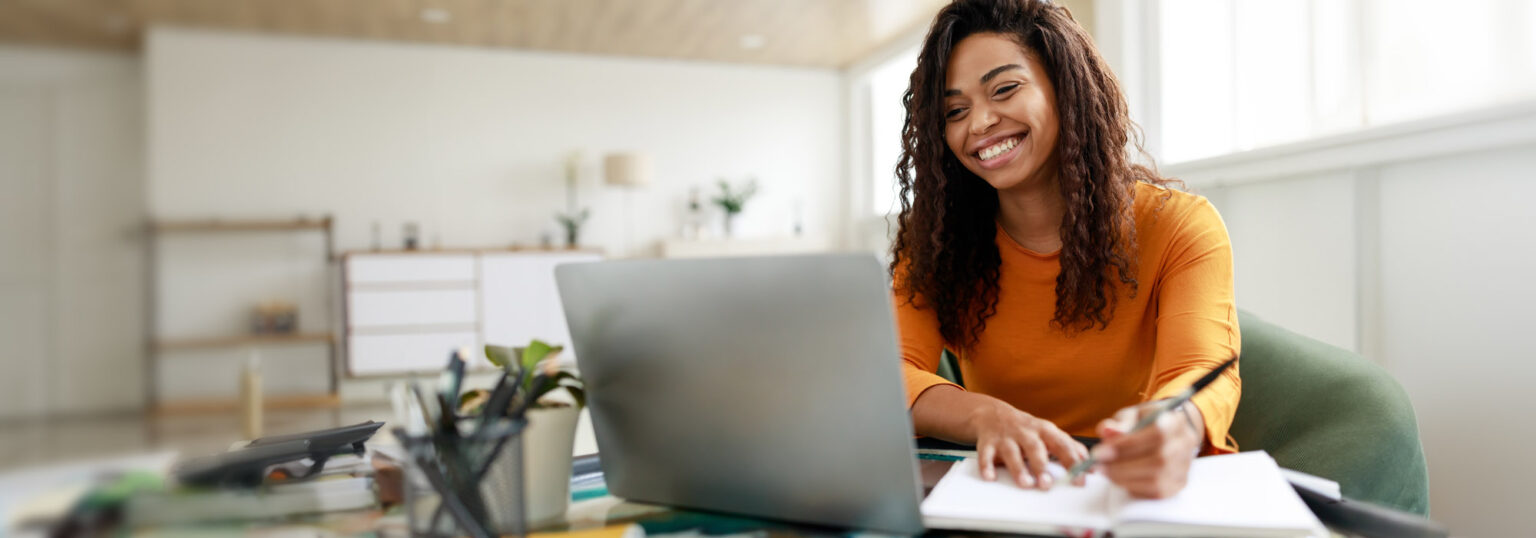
{"points": [[1329, 412], [1324, 411]]}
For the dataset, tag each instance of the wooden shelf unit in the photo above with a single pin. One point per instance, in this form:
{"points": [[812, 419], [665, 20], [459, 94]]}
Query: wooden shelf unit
{"points": [[220, 225], [243, 341], [230, 405], [157, 346]]}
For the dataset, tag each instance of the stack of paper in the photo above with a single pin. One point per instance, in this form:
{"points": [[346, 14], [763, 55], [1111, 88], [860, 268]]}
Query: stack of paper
{"points": [[1231, 495]]}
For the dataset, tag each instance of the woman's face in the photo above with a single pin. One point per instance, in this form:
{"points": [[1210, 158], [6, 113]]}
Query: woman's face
{"points": [[1000, 111]]}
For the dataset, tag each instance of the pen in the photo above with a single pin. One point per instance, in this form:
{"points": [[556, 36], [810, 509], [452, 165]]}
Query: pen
{"points": [[1163, 407]]}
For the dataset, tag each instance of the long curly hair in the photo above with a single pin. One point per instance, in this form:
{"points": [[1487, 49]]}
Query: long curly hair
{"points": [[944, 256]]}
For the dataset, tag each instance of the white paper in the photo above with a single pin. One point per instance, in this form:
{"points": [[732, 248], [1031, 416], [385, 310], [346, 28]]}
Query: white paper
{"points": [[1242, 491], [964, 495]]}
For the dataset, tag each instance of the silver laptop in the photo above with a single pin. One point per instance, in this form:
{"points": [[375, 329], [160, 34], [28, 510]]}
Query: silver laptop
{"points": [[768, 387]]}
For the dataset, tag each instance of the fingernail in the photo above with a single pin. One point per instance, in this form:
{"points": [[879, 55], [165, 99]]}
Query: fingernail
{"points": [[1103, 453], [1045, 482], [1026, 481]]}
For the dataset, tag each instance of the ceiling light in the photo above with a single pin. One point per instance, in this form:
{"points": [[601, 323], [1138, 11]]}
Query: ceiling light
{"points": [[436, 15], [753, 41]]}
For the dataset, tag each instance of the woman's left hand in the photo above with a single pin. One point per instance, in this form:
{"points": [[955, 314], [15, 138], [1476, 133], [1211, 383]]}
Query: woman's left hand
{"points": [[1154, 462]]}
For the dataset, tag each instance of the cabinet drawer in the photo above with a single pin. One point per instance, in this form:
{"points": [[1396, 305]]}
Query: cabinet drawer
{"points": [[390, 308], [409, 268], [373, 354]]}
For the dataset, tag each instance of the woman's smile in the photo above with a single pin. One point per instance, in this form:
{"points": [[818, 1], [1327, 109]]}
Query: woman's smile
{"points": [[997, 154]]}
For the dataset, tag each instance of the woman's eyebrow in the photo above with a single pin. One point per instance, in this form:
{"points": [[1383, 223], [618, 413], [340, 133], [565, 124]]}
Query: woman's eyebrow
{"points": [[987, 77], [998, 71]]}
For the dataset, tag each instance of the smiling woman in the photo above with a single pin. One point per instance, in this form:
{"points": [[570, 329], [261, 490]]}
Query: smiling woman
{"points": [[1073, 283]]}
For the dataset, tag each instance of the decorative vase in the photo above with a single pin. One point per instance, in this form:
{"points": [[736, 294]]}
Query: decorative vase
{"points": [[730, 224]]}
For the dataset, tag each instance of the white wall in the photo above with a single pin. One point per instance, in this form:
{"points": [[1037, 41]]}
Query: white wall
{"points": [[1458, 258], [71, 210], [471, 143], [1416, 246]]}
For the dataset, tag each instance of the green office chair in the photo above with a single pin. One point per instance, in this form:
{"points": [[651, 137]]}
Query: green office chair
{"points": [[1329, 412], [1325, 411]]}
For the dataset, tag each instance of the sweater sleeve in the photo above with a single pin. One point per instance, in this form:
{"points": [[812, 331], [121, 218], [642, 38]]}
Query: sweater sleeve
{"points": [[1197, 322], [921, 346]]}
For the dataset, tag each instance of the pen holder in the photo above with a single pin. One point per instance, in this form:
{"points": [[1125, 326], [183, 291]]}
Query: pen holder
{"points": [[450, 491]]}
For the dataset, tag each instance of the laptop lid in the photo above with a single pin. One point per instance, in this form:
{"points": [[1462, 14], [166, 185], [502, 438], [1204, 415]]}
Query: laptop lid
{"points": [[768, 387]]}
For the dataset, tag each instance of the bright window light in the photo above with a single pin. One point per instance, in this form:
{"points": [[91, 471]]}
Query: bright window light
{"points": [[887, 83], [1236, 75]]}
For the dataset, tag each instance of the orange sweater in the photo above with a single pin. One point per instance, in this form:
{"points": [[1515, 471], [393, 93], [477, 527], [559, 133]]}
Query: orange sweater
{"points": [[1180, 325]]}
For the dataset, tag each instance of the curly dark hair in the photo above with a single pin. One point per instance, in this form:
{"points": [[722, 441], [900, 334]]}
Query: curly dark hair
{"points": [[945, 256]]}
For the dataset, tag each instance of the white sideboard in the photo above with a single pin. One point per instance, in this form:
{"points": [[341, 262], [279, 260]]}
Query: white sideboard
{"points": [[406, 311]]}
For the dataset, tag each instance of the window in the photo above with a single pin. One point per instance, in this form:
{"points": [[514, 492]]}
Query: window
{"points": [[1235, 75], [887, 83]]}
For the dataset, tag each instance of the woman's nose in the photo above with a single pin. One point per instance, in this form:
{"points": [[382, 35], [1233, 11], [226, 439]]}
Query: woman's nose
{"points": [[982, 119]]}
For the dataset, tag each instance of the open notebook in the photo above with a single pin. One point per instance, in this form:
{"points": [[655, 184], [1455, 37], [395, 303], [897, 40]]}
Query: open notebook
{"points": [[1231, 495]]}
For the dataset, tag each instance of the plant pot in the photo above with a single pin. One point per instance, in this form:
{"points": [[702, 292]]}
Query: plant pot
{"points": [[547, 445], [730, 224], [544, 470]]}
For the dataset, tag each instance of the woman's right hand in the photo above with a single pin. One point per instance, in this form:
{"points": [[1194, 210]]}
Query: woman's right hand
{"points": [[1022, 443]]}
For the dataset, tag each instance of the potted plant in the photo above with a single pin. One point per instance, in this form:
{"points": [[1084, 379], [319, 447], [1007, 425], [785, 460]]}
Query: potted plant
{"points": [[547, 441], [571, 223], [733, 201]]}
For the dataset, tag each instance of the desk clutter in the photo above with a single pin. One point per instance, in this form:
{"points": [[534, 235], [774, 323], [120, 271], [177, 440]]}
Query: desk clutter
{"points": [[455, 468], [299, 478]]}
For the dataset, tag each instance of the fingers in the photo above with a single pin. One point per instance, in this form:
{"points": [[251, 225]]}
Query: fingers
{"points": [[1035, 456], [1117, 443], [1017, 467], [1026, 458], [1149, 477], [1150, 463], [984, 455], [1066, 450], [1134, 445]]}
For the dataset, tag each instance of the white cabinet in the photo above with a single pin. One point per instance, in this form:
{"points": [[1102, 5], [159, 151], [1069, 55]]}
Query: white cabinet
{"points": [[384, 308], [374, 354], [519, 298], [407, 311]]}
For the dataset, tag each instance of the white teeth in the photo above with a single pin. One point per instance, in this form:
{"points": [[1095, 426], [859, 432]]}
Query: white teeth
{"points": [[997, 149]]}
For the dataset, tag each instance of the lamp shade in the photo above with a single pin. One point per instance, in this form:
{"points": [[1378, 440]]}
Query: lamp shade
{"points": [[627, 169]]}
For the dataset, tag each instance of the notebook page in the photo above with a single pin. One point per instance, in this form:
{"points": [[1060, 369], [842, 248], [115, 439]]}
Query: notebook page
{"points": [[962, 499], [1233, 491]]}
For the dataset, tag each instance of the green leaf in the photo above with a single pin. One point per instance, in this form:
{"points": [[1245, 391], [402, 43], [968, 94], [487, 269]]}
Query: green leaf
{"points": [[536, 351], [580, 394], [473, 400], [500, 356]]}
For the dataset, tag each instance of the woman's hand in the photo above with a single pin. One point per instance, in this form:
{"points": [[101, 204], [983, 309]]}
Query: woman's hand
{"points": [[1022, 442], [1154, 462]]}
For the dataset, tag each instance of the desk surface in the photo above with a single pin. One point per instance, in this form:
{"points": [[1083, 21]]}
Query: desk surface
{"points": [[593, 512]]}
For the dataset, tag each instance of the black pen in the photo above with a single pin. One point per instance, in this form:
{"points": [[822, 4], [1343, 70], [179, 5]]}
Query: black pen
{"points": [[1163, 407]]}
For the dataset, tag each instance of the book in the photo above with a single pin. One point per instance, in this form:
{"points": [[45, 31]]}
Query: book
{"points": [[1239, 495], [196, 505]]}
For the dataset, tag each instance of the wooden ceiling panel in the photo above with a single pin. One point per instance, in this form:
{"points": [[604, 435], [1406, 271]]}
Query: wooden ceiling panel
{"points": [[818, 33]]}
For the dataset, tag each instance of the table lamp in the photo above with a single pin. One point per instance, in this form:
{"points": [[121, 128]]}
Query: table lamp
{"points": [[630, 171]]}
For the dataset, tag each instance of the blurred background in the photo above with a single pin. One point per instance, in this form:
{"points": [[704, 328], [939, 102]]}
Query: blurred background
{"points": [[339, 190]]}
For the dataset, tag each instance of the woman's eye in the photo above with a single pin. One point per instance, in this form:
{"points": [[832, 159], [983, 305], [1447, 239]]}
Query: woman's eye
{"points": [[1006, 88], [954, 113]]}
